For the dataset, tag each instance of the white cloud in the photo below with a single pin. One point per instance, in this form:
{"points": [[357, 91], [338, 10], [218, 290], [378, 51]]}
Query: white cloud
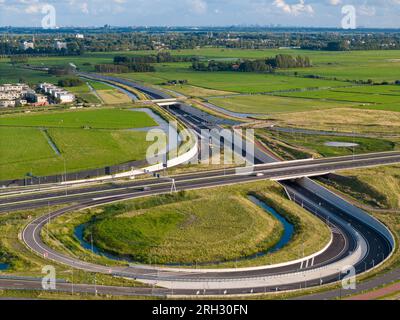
{"points": [[335, 2], [34, 8], [84, 7], [366, 10], [294, 9], [197, 6]]}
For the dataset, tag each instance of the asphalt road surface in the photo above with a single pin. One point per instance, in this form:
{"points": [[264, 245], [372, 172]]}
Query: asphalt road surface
{"points": [[343, 241]]}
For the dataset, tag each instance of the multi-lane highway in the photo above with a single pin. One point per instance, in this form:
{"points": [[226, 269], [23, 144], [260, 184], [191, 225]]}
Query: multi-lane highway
{"points": [[353, 241], [20, 199]]}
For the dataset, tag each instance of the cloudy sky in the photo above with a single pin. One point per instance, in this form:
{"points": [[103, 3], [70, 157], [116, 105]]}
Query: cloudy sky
{"points": [[327, 13]]}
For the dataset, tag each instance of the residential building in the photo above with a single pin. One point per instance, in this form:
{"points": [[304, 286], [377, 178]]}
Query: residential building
{"points": [[59, 45], [58, 94], [25, 45], [7, 103]]}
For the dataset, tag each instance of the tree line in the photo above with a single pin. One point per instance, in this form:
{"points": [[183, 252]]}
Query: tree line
{"points": [[281, 61], [70, 82]]}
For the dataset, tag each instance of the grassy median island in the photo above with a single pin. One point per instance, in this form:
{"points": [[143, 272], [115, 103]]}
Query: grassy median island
{"points": [[297, 145], [39, 143], [218, 227]]}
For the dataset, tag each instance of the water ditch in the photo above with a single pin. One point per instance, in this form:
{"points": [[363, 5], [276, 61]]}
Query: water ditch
{"points": [[286, 237]]}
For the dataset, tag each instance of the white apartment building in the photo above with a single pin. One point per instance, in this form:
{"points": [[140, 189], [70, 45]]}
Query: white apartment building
{"points": [[19, 87], [27, 45], [7, 103], [61, 95], [59, 45]]}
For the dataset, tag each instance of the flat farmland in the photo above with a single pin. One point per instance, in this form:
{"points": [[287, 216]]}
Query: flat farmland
{"points": [[11, 74], [95, 119], [85, 93], [267, 104], [84, 139], [344, 120], [379, 89], [343, 95], [234, 81], [113, 96]]}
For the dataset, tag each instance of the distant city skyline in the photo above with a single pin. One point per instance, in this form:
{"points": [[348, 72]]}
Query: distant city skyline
{"points": [[301, 13]]}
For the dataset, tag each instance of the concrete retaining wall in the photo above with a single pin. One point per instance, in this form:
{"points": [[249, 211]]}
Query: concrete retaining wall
{"points": [[347, 207]]}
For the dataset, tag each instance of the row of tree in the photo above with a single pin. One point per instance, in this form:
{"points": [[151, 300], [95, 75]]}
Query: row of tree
{"points": [[161, 57], [111, 68], [105, 40], [281, 61], [70, 82], [60, 70], [124, 68]]}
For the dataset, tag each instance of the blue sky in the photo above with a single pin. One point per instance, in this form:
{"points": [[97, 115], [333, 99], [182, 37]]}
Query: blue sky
{"points": [[322, 13]]}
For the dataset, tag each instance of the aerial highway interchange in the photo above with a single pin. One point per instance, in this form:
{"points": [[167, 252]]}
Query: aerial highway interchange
{"points": [[354, 242]]}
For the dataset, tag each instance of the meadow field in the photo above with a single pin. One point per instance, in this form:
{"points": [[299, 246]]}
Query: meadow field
{"points": [[333, 102], [83, 139], [349, 96], [268, 104], [231, 81], [91, 119], [375, 122], [337, 72]]}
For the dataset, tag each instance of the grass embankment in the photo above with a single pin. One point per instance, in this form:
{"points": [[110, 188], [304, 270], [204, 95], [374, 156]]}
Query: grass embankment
{"points": [[22, 262], [363, 185], [292, 146], [376, 190], [196, 227], [85, 139]]}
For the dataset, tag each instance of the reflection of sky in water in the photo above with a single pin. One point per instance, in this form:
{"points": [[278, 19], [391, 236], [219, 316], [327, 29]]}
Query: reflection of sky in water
{"points": [[162, 124], [4, 266], [284, 240], [340, 144]]}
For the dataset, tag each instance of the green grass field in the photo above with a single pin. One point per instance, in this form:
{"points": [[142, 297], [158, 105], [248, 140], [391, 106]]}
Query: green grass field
{"points": [[95, 119], [197, 226], [337, 95], [84, 93], [233, 81], [177, 233], [335, 66], [266, 104], [377, 122], [315, 144], [10, 74], [25, 148], [362, 184]]}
